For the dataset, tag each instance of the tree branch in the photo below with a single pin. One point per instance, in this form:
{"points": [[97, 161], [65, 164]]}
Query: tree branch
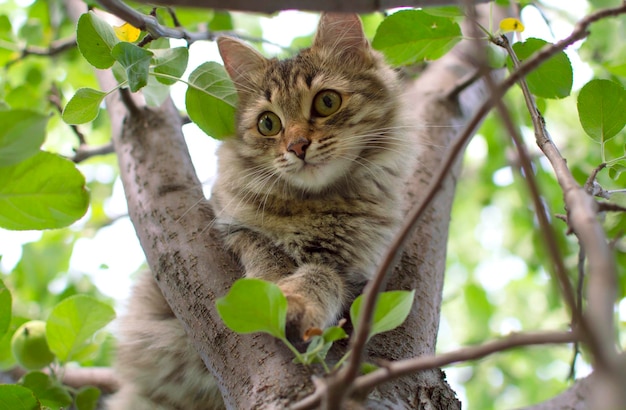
{"points": [[271, 6]]}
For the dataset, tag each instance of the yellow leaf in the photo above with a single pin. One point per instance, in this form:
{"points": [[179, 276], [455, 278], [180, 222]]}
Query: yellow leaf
{"points": [[511, 24], [126, 32]]}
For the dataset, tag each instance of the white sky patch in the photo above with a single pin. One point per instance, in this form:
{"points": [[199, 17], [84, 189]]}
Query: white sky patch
{"points": [[496, 272], [286, 26]]}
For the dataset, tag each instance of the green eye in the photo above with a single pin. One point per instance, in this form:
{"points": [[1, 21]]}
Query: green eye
{"points": [[326, 102], [269, 124]]}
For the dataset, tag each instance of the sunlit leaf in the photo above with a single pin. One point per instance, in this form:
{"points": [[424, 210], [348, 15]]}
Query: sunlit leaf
{"points": [[48, 391], [83, 106], [43, 192], [136, 62], [409, 36], [21, 134], [602, 109], [553, 78], [211, 99], [254, 305], [392, 309], [73, 322], [16, 397], [95, 39], [170, 61], [127, 32]]}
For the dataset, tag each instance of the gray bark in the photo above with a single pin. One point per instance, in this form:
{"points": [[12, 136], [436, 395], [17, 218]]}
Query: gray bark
{"points": [[192, 269]]}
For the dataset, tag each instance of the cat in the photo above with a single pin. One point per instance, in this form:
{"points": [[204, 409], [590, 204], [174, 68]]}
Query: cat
{"points": [[308, 196]]}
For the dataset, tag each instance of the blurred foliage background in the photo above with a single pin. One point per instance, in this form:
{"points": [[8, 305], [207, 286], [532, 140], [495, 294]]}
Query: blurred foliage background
{"points": [[497, 279]]}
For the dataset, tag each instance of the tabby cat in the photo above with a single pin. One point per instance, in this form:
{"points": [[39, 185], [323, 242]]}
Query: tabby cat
{"points": [[308, 196]]}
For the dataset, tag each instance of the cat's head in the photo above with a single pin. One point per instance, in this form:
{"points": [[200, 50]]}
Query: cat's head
{"points": [[311, 119]]}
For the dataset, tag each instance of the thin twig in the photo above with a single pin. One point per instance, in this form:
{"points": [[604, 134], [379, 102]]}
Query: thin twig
{"points": [[55, 47], [84, 152], [394, 370], [156, 30]]}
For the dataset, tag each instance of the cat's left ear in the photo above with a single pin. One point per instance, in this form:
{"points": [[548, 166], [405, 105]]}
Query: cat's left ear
{"points": [[342, 33]]}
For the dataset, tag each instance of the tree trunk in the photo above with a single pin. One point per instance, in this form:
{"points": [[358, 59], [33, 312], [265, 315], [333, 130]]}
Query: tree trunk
{"points": [[190, 265]]}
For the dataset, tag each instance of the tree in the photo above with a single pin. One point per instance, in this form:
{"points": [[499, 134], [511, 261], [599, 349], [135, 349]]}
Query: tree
{"points": [[451, 95]]}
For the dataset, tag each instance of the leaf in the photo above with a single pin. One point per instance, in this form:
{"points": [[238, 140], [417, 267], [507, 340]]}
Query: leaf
{"points": [[95, 39], [155, 92], [511, 24], [21, 135], [221, 21], [553, 78], [409, 36], [16, 397], [253, 305], [83, 106], [136, 62], [5, 309], [602, 109], [127, 32], [73, 322], [87, 398], [48, 391], [334, 333], [392, 308], [170, 61], [45, 191], [211, 100]]}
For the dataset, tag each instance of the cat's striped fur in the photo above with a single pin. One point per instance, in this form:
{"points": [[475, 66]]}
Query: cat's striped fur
{"points": [[306, 199]]}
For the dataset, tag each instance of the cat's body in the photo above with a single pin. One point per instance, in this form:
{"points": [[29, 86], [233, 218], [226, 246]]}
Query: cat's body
{"points": [[308, 196]]}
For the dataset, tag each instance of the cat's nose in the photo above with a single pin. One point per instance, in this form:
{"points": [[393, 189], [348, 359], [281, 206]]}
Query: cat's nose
{"points": [[298, 147]]}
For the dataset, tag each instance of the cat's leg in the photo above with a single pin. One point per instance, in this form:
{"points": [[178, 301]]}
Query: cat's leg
{"points": [[315, 292], [315, 298]]}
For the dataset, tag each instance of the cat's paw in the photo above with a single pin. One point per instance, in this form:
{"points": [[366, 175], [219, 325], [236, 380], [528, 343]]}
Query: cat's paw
{"points": [[302, 317]]}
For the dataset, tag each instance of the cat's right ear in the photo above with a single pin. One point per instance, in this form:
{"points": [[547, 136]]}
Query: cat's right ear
{"points": [[241, 61]]}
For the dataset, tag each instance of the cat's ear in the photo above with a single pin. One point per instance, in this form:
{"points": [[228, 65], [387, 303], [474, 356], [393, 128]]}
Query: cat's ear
{"points": [[342, 33], [241, 61]]}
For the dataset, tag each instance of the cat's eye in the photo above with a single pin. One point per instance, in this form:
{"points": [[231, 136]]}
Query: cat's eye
{"points": [[326, 102], [269, 124]]}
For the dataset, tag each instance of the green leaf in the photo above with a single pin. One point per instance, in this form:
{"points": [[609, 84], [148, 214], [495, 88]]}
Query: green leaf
{"points": [[16, 397], [553, 78], [48, 391], [87, 398], [602, 109], [170, 61], [73, 322], [83, 106], [211, 100], [5, 309], [445, 11], [136, 62], [334, 333], [409, 36], [45, 191], [616, 170], [392, 308], [155, 92], [221, 21], [253, 305], [21, 135], [95, 39]]}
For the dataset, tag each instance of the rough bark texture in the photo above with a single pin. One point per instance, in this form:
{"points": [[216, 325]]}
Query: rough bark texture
{"points": [[171, 218]]}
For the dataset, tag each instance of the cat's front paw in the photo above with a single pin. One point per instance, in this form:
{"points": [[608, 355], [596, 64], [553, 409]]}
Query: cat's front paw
{"points": [[302, 317]]}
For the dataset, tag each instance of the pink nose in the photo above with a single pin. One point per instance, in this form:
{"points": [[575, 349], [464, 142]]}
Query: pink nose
{"points": [[298, 147]]}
